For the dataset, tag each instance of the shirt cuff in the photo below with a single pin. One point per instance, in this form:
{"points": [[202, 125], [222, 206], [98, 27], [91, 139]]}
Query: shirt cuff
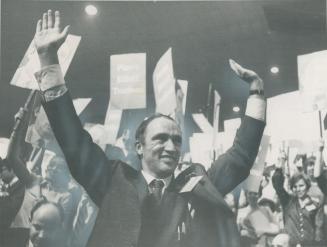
{"points": [[51, 82], [256, 108], [49, 77]]}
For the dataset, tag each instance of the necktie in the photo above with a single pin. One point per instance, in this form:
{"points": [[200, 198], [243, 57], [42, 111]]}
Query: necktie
{"points": [[156, 187]]}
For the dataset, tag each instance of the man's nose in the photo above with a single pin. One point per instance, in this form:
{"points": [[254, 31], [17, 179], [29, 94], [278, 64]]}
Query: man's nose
{"points": [[170, 145]]}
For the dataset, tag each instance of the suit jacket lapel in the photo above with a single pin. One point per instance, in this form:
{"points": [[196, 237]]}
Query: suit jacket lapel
{"points": [[141, 186]]}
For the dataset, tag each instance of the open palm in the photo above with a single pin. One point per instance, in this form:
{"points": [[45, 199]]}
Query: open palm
{"points": [[48, 33], [245, 74]]}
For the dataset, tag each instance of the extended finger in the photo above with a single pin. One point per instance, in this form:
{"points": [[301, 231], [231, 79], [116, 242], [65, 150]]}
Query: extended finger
{"points": [[39, 26], [57, 19], [49, 18], [45, 21]]}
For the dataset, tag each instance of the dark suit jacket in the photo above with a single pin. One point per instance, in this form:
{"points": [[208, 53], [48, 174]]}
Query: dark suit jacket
{"points": [[119, 190]]}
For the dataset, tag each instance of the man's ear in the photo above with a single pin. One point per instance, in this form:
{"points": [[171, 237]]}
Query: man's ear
{"points": [[139, 148]]}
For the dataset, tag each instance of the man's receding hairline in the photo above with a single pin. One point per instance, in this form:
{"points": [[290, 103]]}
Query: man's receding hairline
{"points": [[164, 117]]}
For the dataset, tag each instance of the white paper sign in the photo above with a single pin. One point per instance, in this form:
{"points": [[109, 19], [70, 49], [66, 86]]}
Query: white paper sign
{"points": [[216, 110], [24, 75], [286, 121], [203, 123], [201, 149], [4, 143], [164, 85], [312, 73], [183, 85], [98, 133], [128, 81], [112, 124]]}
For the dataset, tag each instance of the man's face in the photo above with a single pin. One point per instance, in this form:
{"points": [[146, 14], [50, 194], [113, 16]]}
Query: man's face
{"points": [[161, 149], [46, 227], [300, 189], [56, 173], [252, 198]]}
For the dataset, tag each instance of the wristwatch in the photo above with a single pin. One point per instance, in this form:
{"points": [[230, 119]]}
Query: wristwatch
{"points": [[257, 91]]}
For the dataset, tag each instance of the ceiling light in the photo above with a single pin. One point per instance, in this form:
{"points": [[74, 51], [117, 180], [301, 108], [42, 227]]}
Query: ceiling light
{"points": [[274, 70], [91, 10], [236, 109]]}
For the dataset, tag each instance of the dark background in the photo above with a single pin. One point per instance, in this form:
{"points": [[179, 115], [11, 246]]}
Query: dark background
{"points": [[203, 35]]}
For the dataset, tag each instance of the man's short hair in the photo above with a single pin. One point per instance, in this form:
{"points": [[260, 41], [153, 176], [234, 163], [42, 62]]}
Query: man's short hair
{"points": [[297, 177], [139, 134], [44, 201]]}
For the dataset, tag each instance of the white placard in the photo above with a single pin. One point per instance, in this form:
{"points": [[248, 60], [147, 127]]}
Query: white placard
{"points": [[203, 123], [286, 121], [24, 75], [164, 85], [128, 81], [312, 73]]}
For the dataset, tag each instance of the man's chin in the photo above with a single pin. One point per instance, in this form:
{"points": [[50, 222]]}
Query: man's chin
{"points": [[168, 168]]}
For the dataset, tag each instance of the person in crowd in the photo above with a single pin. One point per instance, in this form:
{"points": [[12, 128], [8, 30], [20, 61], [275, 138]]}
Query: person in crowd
{"points": [[54, 186], [303, 217], [12, 197], [320, 173], [47, 225], [150, 207], [268, 193], [258, 225], [314, 191]]}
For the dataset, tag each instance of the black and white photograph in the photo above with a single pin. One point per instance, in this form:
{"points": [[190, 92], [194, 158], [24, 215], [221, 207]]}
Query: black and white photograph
{"points": [[163, 123]]}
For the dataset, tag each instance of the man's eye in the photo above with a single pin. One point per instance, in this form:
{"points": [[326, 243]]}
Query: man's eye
{"points": [[161, 138], [177, 140]]}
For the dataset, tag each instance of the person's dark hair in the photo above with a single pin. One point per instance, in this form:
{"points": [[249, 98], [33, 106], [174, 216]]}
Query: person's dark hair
{"points": [[139, 134], [44, 201], [297, 177], [4, 164]]}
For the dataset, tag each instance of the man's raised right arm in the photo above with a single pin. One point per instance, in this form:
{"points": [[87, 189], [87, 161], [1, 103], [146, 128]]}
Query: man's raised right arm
{"points": [[87, 162]]}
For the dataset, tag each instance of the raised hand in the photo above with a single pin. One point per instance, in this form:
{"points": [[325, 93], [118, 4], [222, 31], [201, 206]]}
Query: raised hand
{"points": [[281, 160], [49, 36], [247, 75]]}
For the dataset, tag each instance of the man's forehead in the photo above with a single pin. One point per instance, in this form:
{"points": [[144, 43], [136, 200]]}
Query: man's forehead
{"points": [[46, 213], [163, 125]]}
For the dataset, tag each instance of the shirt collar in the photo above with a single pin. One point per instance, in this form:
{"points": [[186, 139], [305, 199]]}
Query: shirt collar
{"points": [[149, 178]]}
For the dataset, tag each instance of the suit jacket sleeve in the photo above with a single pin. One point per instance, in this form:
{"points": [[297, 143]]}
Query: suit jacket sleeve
{"points": [[278, 184], [234, 166], [322, 182], [87, 162]]}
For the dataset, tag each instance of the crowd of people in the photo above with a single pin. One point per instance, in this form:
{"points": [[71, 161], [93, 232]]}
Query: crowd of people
{"points": [[64, 190]]}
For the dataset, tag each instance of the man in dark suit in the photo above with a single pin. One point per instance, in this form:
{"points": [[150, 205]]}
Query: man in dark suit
{"points": [[146, 208]]}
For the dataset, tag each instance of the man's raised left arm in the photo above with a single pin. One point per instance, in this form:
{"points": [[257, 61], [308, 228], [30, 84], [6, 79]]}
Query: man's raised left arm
{"points": [[234, 166]]}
